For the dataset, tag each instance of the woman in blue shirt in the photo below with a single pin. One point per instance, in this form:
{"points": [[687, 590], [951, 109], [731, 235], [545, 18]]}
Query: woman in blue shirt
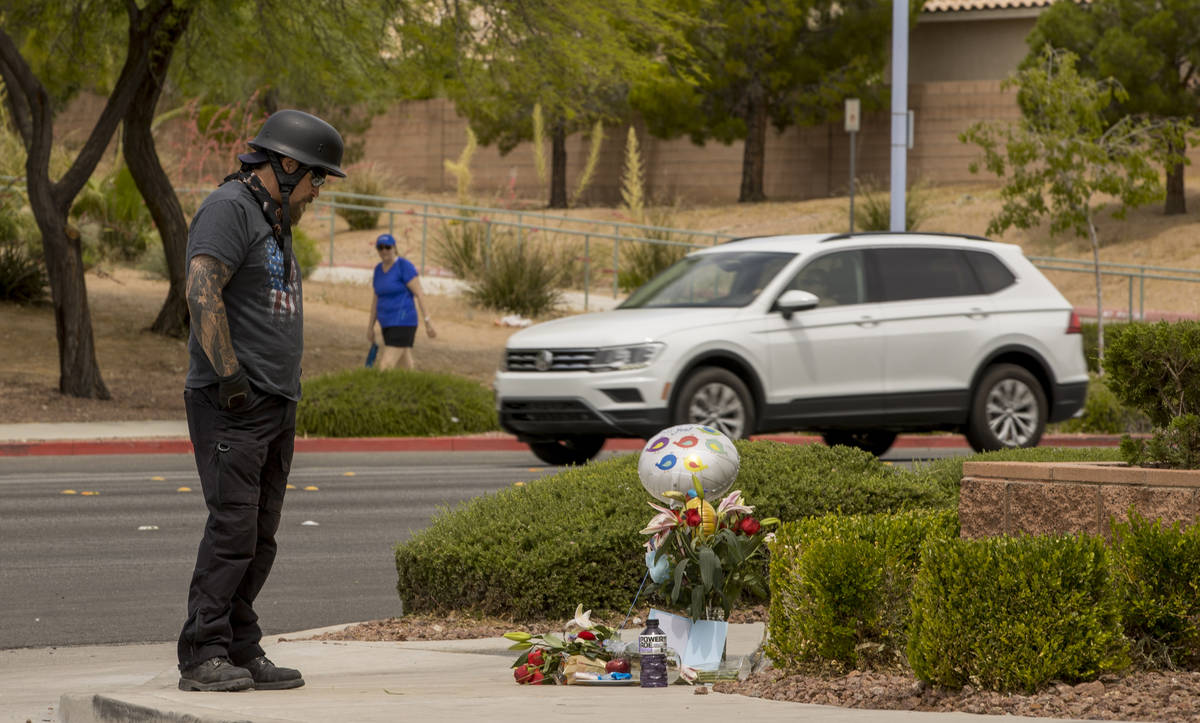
{"points": [[397, 305]]}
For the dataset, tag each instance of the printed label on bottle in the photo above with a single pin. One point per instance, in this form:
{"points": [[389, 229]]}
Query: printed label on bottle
{"points": [[652, 644]]}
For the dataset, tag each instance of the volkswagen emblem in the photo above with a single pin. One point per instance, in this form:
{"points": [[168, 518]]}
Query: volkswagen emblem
{"points": [[544, 360]]}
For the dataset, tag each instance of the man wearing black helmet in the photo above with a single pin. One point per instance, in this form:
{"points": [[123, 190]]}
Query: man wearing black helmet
{"points": [[243, 382]]}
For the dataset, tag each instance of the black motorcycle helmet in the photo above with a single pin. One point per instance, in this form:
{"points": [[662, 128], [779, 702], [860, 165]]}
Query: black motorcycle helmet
{"points": [[304, 137]]}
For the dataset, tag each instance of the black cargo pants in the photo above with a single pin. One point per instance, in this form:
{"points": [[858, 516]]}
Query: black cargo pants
{"points": [[243, 458]]}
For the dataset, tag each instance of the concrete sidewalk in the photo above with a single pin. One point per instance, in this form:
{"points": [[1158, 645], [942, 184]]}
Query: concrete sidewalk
{"points": [[447, 681]]}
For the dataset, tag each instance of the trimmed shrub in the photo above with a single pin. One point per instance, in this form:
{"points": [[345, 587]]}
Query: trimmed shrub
{"points": [[307, 253], [840, 587], [1103, 413], [366, 180], [538, 550], [1157, 570], [394, 403], [1151, 367], [1014, 613]]}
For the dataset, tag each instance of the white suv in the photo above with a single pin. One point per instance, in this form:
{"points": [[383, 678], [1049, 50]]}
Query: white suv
{"points": [[856, 336]]}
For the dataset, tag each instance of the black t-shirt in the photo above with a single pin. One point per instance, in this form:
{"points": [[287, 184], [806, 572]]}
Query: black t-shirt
{"points": [[266, 316]]}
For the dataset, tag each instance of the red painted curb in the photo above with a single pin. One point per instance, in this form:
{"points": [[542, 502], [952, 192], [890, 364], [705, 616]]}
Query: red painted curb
{"points": [[498, 443]]}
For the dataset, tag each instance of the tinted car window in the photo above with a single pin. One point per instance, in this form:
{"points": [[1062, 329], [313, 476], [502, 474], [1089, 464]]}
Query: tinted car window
{"points": [[993, 275], [837, 279], [719, 279], [913, 273]]}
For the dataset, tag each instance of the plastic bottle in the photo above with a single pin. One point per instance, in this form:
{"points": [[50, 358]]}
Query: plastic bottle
{"points": [[652, 648]]}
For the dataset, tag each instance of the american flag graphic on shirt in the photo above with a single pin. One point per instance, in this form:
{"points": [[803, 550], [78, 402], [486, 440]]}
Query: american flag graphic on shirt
{"points": [[281, 298]]}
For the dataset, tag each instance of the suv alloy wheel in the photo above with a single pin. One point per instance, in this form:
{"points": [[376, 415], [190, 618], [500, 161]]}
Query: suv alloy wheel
{"points": [[1008, 410], [716, 398]]}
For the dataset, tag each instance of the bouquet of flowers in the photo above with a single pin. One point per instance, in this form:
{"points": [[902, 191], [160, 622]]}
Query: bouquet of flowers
{"points": [[546, 655], [704, 558]]}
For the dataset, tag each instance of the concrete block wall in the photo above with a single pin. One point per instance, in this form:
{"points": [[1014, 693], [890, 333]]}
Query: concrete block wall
{"points": [[1012, 498]]}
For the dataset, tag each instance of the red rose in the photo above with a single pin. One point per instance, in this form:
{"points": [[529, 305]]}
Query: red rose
{"points": [[524, 673], [693, 518], [535, 657], [586, 635], [750, 526], [537, 678]]}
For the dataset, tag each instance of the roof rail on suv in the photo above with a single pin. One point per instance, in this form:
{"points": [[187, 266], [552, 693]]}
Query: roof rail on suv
{"points": [[857, 234]]}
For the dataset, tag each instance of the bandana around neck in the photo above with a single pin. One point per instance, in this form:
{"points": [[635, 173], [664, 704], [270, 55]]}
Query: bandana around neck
{"points": [[272, 211]]}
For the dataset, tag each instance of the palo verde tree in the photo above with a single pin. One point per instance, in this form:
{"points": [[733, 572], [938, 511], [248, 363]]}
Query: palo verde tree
{"points": [[45, 51], [1063, 157], [787, 62], [324, 56], [1149, 46], [499, 59]]}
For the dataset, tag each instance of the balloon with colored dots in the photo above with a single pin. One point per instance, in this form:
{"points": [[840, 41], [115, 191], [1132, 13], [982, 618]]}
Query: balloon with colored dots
{"points": [[671, 457]]}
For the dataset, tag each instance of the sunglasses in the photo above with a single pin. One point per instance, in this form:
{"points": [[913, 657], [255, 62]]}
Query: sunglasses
{"points": [[381, 247], [316, 177]]}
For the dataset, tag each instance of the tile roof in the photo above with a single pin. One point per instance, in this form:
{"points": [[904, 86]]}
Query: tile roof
{"points": [[948, 6]]}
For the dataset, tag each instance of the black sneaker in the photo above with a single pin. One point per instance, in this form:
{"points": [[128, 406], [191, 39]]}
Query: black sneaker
{"points": [[215, 674], [268, 676]]}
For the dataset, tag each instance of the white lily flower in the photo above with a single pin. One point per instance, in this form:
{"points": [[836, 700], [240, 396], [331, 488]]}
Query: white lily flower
{"points": [[734, 503], [582, 619], [688, 673], [660, 523]]}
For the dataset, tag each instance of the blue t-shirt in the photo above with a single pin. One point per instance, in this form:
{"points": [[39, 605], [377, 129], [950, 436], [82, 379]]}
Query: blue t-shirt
{"points": [[395, 306]]}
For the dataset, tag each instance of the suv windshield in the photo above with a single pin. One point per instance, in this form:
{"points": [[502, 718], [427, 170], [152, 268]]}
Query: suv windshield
{"points": [[710, 280]]}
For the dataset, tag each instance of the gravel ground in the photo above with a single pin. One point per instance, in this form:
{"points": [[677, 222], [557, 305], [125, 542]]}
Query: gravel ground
{"points": [[1169, 697]]}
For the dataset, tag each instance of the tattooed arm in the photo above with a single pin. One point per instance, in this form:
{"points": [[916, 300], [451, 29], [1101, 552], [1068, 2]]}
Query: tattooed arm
{"points": [[205, 280]]}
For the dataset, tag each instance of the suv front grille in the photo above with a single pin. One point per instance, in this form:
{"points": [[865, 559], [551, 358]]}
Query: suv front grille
{"points": [[547, 410], [549, 360]]}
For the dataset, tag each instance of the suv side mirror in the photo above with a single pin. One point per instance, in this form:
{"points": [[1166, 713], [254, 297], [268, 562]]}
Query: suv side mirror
{"points": [[789, 302]]}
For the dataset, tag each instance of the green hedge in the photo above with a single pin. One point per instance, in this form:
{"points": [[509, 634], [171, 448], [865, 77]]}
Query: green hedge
{"points": [[540, 549], [1158, 571], [840, 586], [394, 403], [1014, 613]]}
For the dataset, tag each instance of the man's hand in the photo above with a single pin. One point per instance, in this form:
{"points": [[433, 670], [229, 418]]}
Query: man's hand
{"points": [[234, 390]]}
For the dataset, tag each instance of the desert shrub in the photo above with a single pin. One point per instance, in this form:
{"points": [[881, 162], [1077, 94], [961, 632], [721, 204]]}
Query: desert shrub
{"points": [[22, 276], [518, 278], [1103, 413], [873, 207], [539, 549], [1151, 367], [643, 260], [360, 213], [1157, 571], [113, 218], [840, 586], [307, 252], [461, 247], [1014, 613], [153, 263], [393, 403]]}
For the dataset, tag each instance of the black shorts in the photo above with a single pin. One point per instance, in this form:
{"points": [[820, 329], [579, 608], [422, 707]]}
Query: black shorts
{"points": [[399, 335]]}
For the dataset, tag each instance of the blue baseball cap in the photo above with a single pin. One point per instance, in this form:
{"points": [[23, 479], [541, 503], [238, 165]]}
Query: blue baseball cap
{"points": [[385, 240]]}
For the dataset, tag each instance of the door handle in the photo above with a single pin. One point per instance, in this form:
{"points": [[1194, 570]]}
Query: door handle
{"points": [[867, 321]]}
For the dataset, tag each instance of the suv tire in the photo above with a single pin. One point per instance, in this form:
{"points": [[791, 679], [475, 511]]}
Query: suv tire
{"points": [[1008, 410], [716, 398], [568, 450], [875, 441]]}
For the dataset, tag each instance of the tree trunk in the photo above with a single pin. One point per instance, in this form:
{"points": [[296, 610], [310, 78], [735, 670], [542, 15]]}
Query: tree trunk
{"points": [[78, 371], [558, 166], [1176, 202], [154, 185], [753, 157], [33, 115]]}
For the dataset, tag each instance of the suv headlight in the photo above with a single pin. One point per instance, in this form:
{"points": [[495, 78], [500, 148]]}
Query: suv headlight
{"points": [[623, 358]]}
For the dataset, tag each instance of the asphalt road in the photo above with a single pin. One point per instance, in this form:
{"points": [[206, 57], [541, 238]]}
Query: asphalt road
{"points": [[111, 563], [100, 549]]}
